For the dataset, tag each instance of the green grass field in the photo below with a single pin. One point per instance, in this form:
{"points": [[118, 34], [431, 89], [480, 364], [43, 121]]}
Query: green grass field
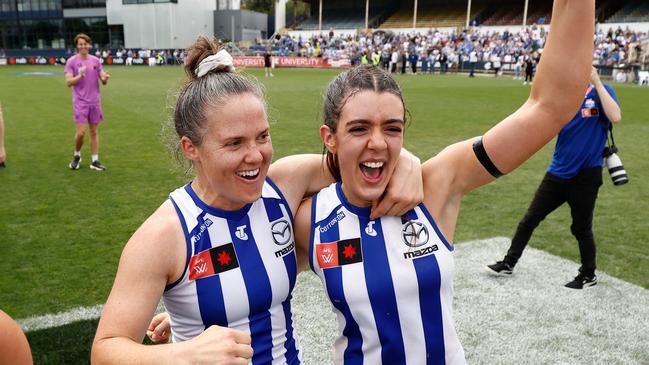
{"points": [[62, 231]]}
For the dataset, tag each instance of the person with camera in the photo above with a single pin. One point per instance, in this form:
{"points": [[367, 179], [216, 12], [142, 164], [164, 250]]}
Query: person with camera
{"points": [[574, 176]]}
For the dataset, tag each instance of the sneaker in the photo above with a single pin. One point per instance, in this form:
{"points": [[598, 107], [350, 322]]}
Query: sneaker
{"points": [[582, 281], [96, 165], [74, 164], [501, 268]]}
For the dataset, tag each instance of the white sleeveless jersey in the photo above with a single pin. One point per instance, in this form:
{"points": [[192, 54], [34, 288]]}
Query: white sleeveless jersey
{"points": [[390, 282], [240, 271]]}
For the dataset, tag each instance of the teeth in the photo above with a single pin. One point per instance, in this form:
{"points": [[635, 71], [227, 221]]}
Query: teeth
{"points": [[373, 165], [250, 173]]}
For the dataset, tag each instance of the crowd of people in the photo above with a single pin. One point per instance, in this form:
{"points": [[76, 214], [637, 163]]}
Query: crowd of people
{"points": [[443, 49]]}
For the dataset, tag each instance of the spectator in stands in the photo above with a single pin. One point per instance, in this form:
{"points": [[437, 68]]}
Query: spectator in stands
{"points": [[443, 62], [413, 58], [394, 60], [574, 176], [404, 58], [268, 63], [473, 60], [530, 66]]}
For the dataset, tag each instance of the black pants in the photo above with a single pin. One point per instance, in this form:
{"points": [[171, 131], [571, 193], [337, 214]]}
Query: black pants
{"points": [[529, 75], [580, 193]]}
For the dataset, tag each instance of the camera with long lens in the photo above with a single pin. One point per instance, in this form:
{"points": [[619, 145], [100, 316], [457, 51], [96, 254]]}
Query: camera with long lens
{"points": [[614, 166]]}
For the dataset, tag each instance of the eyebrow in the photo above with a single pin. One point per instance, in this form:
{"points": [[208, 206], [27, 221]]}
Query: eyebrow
{"points": [[365, 121]]}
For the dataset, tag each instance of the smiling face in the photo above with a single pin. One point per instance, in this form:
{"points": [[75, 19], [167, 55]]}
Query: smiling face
{"points": [[83, 47], [233, 159], [367, 142]]}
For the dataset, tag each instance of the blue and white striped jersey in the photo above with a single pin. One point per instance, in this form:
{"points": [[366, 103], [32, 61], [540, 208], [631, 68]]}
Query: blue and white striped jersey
{"points": [[390, 282], [240, 271]]}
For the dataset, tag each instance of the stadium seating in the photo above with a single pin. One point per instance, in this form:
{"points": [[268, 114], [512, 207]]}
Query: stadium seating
{"points": [[431, 17], [634, 11], [341, 19]]}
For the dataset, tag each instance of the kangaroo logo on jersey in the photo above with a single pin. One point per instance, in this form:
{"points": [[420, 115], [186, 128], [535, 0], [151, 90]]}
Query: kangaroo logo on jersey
{"points": [[414, 234], [370, 229], [281, 232], [241, 233], [339, 253], [213, 261]]}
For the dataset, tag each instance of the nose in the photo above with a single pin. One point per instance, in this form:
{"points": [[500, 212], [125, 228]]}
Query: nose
{"points": [[377, 140], [253, 155]]}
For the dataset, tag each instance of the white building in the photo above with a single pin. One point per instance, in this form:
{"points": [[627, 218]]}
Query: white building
{"points": [[165, 24]]}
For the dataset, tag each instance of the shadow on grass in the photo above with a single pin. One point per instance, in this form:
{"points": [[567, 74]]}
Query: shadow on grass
{"points": [[69, 344]]}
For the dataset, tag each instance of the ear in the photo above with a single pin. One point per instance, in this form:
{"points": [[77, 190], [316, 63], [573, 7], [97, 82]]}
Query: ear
{"points": [[189, 149], [329, 138]]}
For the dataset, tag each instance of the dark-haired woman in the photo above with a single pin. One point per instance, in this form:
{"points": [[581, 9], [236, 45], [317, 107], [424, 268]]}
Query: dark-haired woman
{"points": [[220, 250], [390, 280]]}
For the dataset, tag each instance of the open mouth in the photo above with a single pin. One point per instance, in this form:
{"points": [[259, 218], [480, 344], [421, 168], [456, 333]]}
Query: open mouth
{"points": [[371, 170], [248, 175]]}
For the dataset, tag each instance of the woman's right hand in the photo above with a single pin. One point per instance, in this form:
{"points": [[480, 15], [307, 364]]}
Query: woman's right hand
{"points": [[218, 345], [159, 328]]}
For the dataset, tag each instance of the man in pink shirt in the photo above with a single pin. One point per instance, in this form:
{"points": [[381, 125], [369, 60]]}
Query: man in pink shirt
{"points": [[83, 73]]}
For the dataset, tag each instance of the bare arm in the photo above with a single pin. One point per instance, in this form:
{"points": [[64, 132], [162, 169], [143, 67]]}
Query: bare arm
{"points": [[152, 258], [299, 176], [611, 109], [303, 234], [556, 95]]}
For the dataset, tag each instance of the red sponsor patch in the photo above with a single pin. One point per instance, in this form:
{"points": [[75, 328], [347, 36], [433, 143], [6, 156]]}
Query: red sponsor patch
{"points": [[213, 261], [339, 253], [201, 266], [327, 254]]}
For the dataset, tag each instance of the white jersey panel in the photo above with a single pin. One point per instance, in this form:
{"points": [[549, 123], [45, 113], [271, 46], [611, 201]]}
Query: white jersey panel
{"points": [[240, 270], [390, 282]]}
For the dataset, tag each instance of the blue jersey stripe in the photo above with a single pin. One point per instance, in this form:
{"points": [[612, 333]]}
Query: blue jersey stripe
{"points": [[334, 279], [188, 246], [314, 201], [258, 288], [381, 292], [208, 290], [273, 209], [210, 301], [429, 279], [292, 355], [354, 351]]}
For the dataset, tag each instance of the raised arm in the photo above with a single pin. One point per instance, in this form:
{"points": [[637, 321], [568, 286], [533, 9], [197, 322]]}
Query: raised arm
{"points": [[557, 92], [610, 106]]}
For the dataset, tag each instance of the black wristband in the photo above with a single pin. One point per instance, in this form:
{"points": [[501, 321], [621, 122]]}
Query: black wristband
{"points": [[484, 159]]}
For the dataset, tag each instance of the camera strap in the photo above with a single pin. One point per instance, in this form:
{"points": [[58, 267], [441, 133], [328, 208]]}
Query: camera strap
{"points": [[610, 134]]}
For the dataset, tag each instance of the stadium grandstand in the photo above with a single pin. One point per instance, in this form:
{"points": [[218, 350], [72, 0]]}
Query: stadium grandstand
{"points": [[338, 14], [500, 32]]}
